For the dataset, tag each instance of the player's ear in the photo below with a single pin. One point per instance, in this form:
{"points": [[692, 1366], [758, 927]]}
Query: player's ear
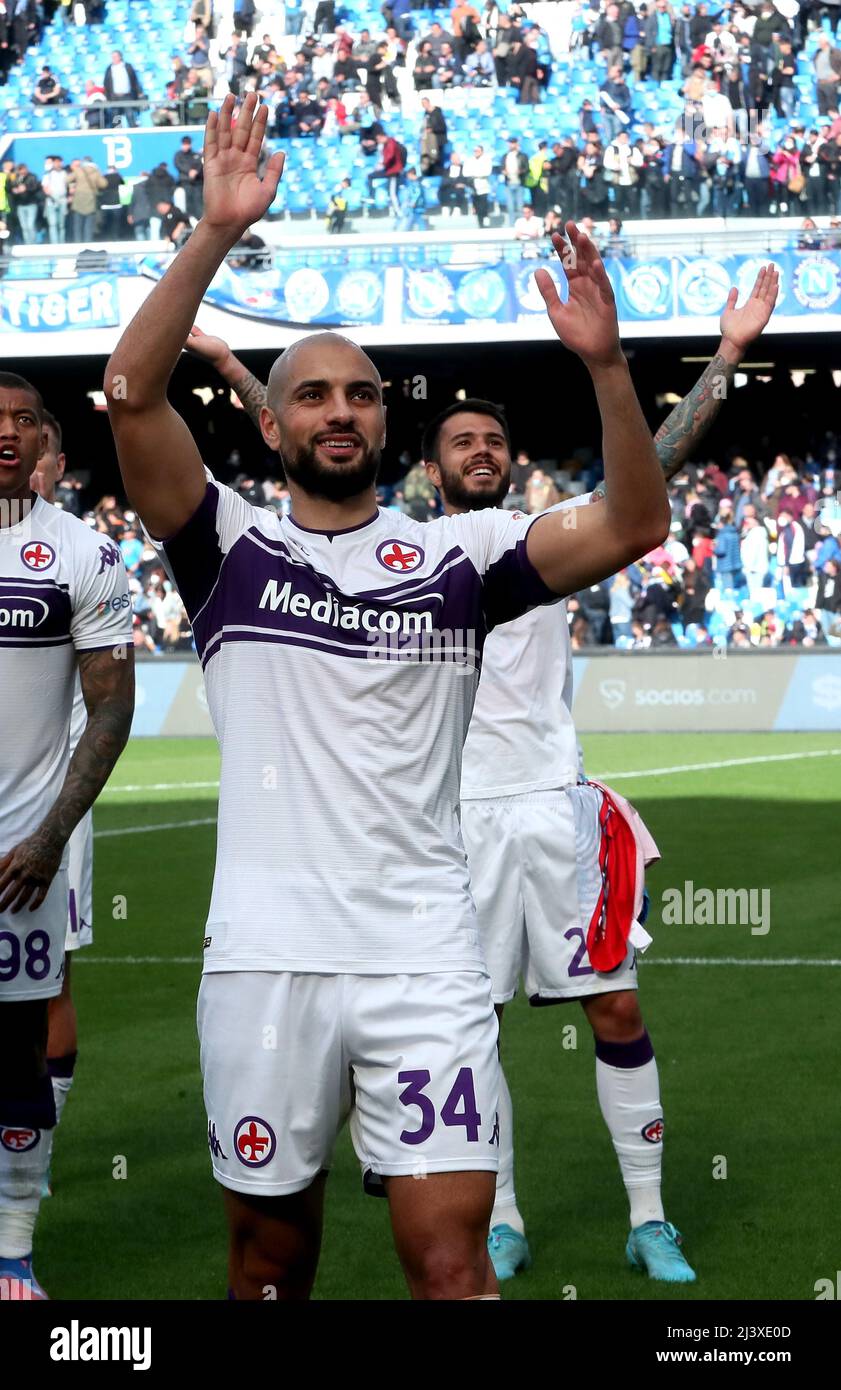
{"points": [[269, 428], [61, 464], [433, 473]]}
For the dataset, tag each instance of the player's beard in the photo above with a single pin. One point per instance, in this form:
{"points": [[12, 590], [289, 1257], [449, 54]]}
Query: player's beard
{"points": [[336, 483], [477, 496]]}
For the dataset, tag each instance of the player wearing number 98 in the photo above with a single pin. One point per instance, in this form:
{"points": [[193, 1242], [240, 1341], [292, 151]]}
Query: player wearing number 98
{"points": [[57, 586], [341, 944], [62, 1038]]}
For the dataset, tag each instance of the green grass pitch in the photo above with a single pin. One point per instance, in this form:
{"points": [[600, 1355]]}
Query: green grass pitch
{"points": [[747, 1053]]}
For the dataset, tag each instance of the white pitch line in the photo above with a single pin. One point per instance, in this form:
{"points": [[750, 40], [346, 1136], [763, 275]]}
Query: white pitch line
{"points": [[147, 829], [737, 960], [710, 767], [85, 959], [643, 772], [162, 787]]}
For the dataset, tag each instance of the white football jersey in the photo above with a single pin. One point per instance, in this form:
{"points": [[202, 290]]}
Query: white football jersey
{"points": [[521, 736], [63, 589], [340, 671]]}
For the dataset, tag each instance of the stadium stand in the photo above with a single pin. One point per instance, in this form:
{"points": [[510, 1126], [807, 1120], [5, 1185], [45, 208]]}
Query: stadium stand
{"points": [[756, 95], [339, 76]]}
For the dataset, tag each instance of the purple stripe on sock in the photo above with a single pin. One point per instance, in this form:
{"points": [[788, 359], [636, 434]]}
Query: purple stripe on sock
{"points": [[231, 1294], [62, 1066], [625, 1054]]}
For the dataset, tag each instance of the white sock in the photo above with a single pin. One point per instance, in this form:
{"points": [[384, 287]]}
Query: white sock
{"points": [[505, 1210], [629, 1095], [21, 1176], [61, 1090]]}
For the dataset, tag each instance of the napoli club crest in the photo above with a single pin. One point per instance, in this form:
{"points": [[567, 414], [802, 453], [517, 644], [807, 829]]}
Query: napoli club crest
{"points": [[399, 556]]}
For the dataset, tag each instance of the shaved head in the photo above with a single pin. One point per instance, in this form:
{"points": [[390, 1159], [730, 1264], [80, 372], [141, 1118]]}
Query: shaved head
{"points": [[300, 360], [325, 416]]}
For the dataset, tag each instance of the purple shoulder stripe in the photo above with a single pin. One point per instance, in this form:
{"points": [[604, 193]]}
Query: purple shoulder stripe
{"points": [[512, 586], [194, 553]]}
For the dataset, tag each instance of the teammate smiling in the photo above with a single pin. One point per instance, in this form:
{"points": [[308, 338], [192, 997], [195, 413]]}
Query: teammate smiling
{"points": [[532, 834], [342, 959]]}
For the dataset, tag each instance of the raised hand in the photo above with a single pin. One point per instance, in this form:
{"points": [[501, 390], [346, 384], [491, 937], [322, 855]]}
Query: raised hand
{"points": [[741, 327], [587, 323], [210, 349], [234, 197]]}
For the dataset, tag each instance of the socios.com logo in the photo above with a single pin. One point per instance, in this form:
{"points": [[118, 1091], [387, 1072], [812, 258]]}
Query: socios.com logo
{"points": [[826, 692], [613, 693]]}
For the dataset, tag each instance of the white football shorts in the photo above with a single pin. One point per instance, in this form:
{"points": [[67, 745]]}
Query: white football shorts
{"points": [[80, 869], [532, 878], [286, 1058], [32, 947]]}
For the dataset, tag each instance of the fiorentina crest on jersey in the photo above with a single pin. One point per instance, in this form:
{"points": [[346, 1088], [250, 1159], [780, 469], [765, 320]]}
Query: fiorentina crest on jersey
{"points": [[399, 556], [254, 1142], [18, 1139], [37, 555]]}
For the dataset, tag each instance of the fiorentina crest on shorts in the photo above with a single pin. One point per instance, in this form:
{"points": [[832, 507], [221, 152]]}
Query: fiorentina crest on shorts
{"points": [[254, 1142], [399, 556]]}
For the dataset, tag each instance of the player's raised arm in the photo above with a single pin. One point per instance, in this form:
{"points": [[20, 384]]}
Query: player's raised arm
{"points": [[636, 515], [248, 388], [161, 467], [682, 430]]}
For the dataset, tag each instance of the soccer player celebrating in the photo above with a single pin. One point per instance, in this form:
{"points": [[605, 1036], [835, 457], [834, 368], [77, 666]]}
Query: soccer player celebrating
{"points": [[532, 835], [64, 609], [520, 760], [62, 1039], [342, 961]]}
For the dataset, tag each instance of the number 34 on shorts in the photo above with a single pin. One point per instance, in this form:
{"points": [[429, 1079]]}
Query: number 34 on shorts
{"points": [[463, 1094]]}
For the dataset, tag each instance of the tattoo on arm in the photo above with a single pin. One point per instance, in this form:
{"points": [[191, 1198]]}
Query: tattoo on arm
{"points": [[108, 686], [252, 393], [691, 418]]}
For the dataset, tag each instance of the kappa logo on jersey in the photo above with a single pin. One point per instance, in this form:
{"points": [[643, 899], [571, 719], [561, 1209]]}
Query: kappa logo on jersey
{"points": [[37, 555], [653, 1132], [213, 1142], [109, 556], [254, 1142], [18, 1141], [400, 557]]}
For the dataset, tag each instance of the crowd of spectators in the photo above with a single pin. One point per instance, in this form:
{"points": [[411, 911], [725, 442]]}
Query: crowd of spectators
{"points": [[736, 65], [753, 559]]}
